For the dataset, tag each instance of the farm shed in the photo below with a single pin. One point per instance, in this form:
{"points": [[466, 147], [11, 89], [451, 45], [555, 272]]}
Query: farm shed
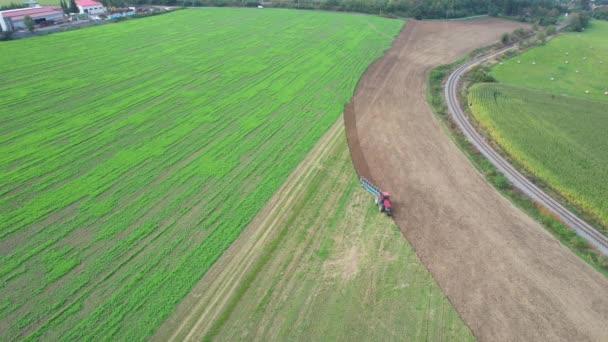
{"points": [[11, 20], [90, 7]]}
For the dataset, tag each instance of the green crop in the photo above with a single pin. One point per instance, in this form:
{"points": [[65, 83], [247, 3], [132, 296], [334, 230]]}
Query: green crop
{"points": [[570, 64], [559, 139], [42, 2], [548, 112], [133, 154]]}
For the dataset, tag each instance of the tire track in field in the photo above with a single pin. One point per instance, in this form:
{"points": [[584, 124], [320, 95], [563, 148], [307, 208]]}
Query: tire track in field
{"points": [[196, 313]]}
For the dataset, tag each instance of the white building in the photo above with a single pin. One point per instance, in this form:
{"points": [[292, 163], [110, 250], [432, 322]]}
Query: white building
{"points": [[90, 7], [11, 20]]}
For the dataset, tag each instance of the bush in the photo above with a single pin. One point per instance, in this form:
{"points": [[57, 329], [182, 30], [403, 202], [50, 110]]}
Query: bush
{"points": [[523, 45], [578, 21], [505, 39], [6, 35], [601, 14], [29, 23], [541, 36], [482, 75], [436, 75], [501, 182], [519, 33], [544, 21], [551, 30]]}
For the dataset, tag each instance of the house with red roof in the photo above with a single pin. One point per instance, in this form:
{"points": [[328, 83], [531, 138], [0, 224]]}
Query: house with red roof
{"points": [[11, 20], [90, 7]]}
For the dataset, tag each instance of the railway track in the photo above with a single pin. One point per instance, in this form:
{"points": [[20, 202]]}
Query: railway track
{"points": [[582, 228]]}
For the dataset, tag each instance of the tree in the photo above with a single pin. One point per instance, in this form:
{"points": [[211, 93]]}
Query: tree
{"points": [[541, 36], [519, 33], [64, 7], [601, 13], [29, 23], [73, 8], [578, 21], [505, 38], [6, 35]]}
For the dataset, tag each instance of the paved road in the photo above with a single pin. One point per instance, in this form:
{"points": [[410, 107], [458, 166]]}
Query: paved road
{"points": [[582, 228]]}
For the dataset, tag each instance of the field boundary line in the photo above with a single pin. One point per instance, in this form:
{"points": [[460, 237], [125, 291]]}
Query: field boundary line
{"points": [[225, 276], [581, 227]]}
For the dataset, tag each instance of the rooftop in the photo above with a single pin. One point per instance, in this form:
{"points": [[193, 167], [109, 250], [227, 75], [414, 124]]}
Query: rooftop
{"points": [[87, 3]]}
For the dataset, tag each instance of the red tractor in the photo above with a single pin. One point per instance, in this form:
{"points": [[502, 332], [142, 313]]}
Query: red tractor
{"points": [[381, 198]]}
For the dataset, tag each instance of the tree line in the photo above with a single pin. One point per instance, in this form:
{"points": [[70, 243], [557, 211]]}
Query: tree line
{"points": [[422, 9], [543, 12]]}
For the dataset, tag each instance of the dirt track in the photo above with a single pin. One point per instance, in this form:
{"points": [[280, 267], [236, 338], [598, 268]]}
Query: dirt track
{"points": [[507, 277]]}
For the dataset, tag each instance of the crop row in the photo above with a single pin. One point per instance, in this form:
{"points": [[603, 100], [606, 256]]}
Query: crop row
{"points": [[559, 139], [133, 154]]}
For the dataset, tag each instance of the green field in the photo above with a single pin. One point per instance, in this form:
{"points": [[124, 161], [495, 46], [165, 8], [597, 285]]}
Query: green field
{"points": [[340, 271], [585, 52], [559, 139], [41, 2], [133, 154], [553, 128]]}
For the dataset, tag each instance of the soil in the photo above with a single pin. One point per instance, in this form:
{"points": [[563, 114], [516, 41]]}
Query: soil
{"points": [[507, 277], [332, 268]]}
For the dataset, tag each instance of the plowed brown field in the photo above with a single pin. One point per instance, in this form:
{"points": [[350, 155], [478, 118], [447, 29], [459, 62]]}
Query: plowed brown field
{"points": [[507, 277], [318, 263]]}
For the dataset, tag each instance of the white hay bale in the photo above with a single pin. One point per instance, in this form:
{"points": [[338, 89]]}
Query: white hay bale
{"points": [[586, 91], [566, 62], [567, 53], [577, 71], [585, 58], [552, 79], [518, 62], [601, 62], [533, 63], [606, 93]]}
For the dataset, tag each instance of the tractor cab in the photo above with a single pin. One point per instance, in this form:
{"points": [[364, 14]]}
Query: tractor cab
{"points": [[381, 199], [384, 196], [384, 203]]}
